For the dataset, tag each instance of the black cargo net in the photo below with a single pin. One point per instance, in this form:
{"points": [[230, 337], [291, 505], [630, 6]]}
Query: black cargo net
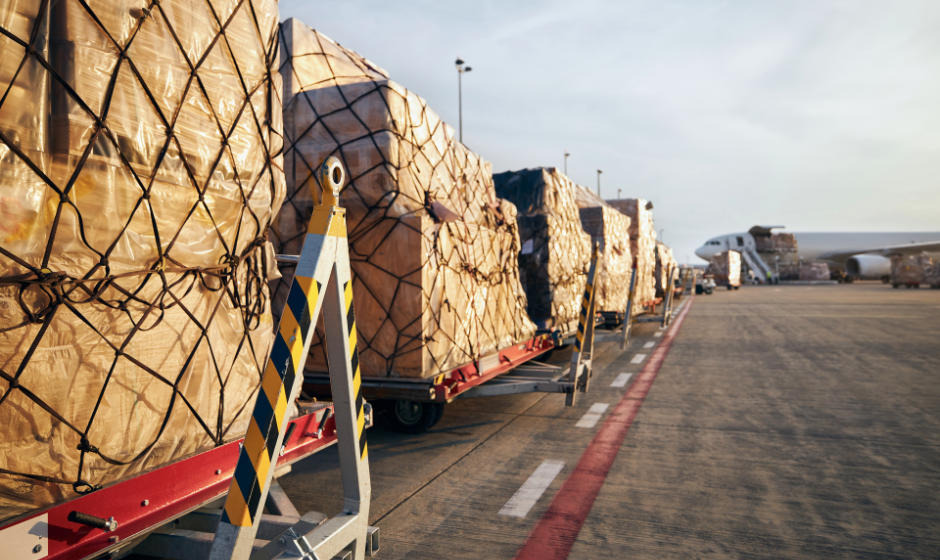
{"points": [[138, 178], [433, 252]]}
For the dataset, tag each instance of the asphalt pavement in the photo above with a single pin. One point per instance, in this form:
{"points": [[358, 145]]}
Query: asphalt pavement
{"points": [[784, 421]]}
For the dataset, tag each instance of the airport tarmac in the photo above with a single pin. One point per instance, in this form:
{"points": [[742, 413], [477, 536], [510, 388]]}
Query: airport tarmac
{"points": [[784, 421]]}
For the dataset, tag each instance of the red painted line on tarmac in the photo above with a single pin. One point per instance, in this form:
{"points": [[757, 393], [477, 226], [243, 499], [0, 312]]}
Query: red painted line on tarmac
{"points": [[554, 535]]}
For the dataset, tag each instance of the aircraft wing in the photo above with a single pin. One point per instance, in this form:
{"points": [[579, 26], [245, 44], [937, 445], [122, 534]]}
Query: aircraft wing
{"points": [[905, 249]]}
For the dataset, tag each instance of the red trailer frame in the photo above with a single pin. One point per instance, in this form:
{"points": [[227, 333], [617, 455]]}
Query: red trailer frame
{"points": [[149, 500], [447, 386]]}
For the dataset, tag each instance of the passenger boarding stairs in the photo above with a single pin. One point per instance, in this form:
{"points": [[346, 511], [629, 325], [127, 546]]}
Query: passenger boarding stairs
{"points": [[755, 263]]}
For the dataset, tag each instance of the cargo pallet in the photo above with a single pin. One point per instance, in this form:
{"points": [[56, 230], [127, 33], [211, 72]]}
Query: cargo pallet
{"points": [[212, 505], [415, 405]]}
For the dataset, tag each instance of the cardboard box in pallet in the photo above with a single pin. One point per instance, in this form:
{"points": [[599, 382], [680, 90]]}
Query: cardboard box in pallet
{"points": [[433, 251], [147, 191], [642, 246]]}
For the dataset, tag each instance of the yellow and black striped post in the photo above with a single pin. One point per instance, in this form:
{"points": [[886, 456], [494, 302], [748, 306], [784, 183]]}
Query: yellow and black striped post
{"points": [[628, 314], [584, 339], [324, 263], [670, 292]]}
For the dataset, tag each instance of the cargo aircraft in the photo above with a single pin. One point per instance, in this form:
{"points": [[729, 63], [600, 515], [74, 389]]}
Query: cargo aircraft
{"points": [[863, 255]]}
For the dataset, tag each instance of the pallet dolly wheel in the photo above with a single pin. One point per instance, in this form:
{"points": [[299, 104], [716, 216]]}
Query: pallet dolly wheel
{"points": [[413, 417]]}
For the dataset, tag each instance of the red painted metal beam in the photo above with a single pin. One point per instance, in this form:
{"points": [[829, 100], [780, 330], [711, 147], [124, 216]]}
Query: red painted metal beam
{"points": [[149, 500]]}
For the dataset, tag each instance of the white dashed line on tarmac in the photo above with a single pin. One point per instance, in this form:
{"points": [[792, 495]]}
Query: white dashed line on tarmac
{"points": [[649, 344], [621, 380], [638, 359], [533, 488], [591, 417], [657, 334]]}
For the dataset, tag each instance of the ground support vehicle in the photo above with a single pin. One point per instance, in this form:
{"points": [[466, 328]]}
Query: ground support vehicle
{"points": [[416, 405], [706, 285], [132, 515]]}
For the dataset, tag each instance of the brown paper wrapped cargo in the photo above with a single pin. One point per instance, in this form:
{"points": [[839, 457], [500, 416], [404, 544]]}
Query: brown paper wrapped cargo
{"points": [[814, 272], [145, 340], [725, 267], [556, 252], [433, 251], [665, 263], [910, 269], [642, 246], [610, 229]]}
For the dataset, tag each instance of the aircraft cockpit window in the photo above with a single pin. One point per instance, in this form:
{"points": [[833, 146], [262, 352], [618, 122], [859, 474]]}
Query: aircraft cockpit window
{"points": [[740, 242]]}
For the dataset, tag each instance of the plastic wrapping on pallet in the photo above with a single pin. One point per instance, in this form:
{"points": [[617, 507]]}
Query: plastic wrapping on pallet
{"points": [[910, 269], [642, 246], [933, 275], [814, 272], [610, 229], [665, 263], [725, 267], [433, 251], [556, 252], [135, 193]]}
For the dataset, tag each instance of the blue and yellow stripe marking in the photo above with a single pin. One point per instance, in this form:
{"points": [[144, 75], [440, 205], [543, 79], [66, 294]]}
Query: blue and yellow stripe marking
{"points": [[356, 373], [270, 413], [583, 318], [285, 362]]}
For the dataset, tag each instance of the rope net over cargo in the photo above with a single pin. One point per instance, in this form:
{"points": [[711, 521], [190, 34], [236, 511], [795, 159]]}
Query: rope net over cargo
{"points": [[556, 251], [138, 176], [434, 252]]}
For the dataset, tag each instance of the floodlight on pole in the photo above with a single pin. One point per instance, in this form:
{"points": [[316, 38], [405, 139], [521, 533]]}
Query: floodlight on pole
{"points": [[566, 162], [599, 182], [618, 194], [460, 72]]}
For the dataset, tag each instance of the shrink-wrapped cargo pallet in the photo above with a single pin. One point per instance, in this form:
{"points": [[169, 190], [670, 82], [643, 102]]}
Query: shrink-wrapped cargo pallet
{"points": [[433, 252], [725, 267], [665, 263], [135, 193], [910, 269], [556, 252], [933, 276], [610, 229], [642, 246], [814, 272]]}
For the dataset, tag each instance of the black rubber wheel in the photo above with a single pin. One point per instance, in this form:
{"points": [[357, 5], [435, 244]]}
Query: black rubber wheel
{"points": [[736, 287], [895, 286], [546, 356], [730, 288], [414, 417], [709, 291], [699, 290]]}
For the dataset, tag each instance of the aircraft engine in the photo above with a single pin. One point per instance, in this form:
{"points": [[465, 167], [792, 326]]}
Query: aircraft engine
{"points": [[868, 266]]}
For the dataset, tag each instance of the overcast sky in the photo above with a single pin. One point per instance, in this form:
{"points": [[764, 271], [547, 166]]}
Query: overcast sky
{"points": [[817, 115]]}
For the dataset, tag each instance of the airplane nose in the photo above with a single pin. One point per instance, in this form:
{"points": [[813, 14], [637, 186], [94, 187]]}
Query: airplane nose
{"points": [[700, 253]]}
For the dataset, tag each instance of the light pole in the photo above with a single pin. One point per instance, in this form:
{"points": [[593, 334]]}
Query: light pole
{"points": [[460, 72], [566, 162], [599, 182], [618, 194]]}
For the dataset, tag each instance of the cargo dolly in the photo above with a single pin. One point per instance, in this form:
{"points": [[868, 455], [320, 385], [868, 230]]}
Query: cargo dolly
{"points": [[416, 405], [662, 318], [225, 503]]}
